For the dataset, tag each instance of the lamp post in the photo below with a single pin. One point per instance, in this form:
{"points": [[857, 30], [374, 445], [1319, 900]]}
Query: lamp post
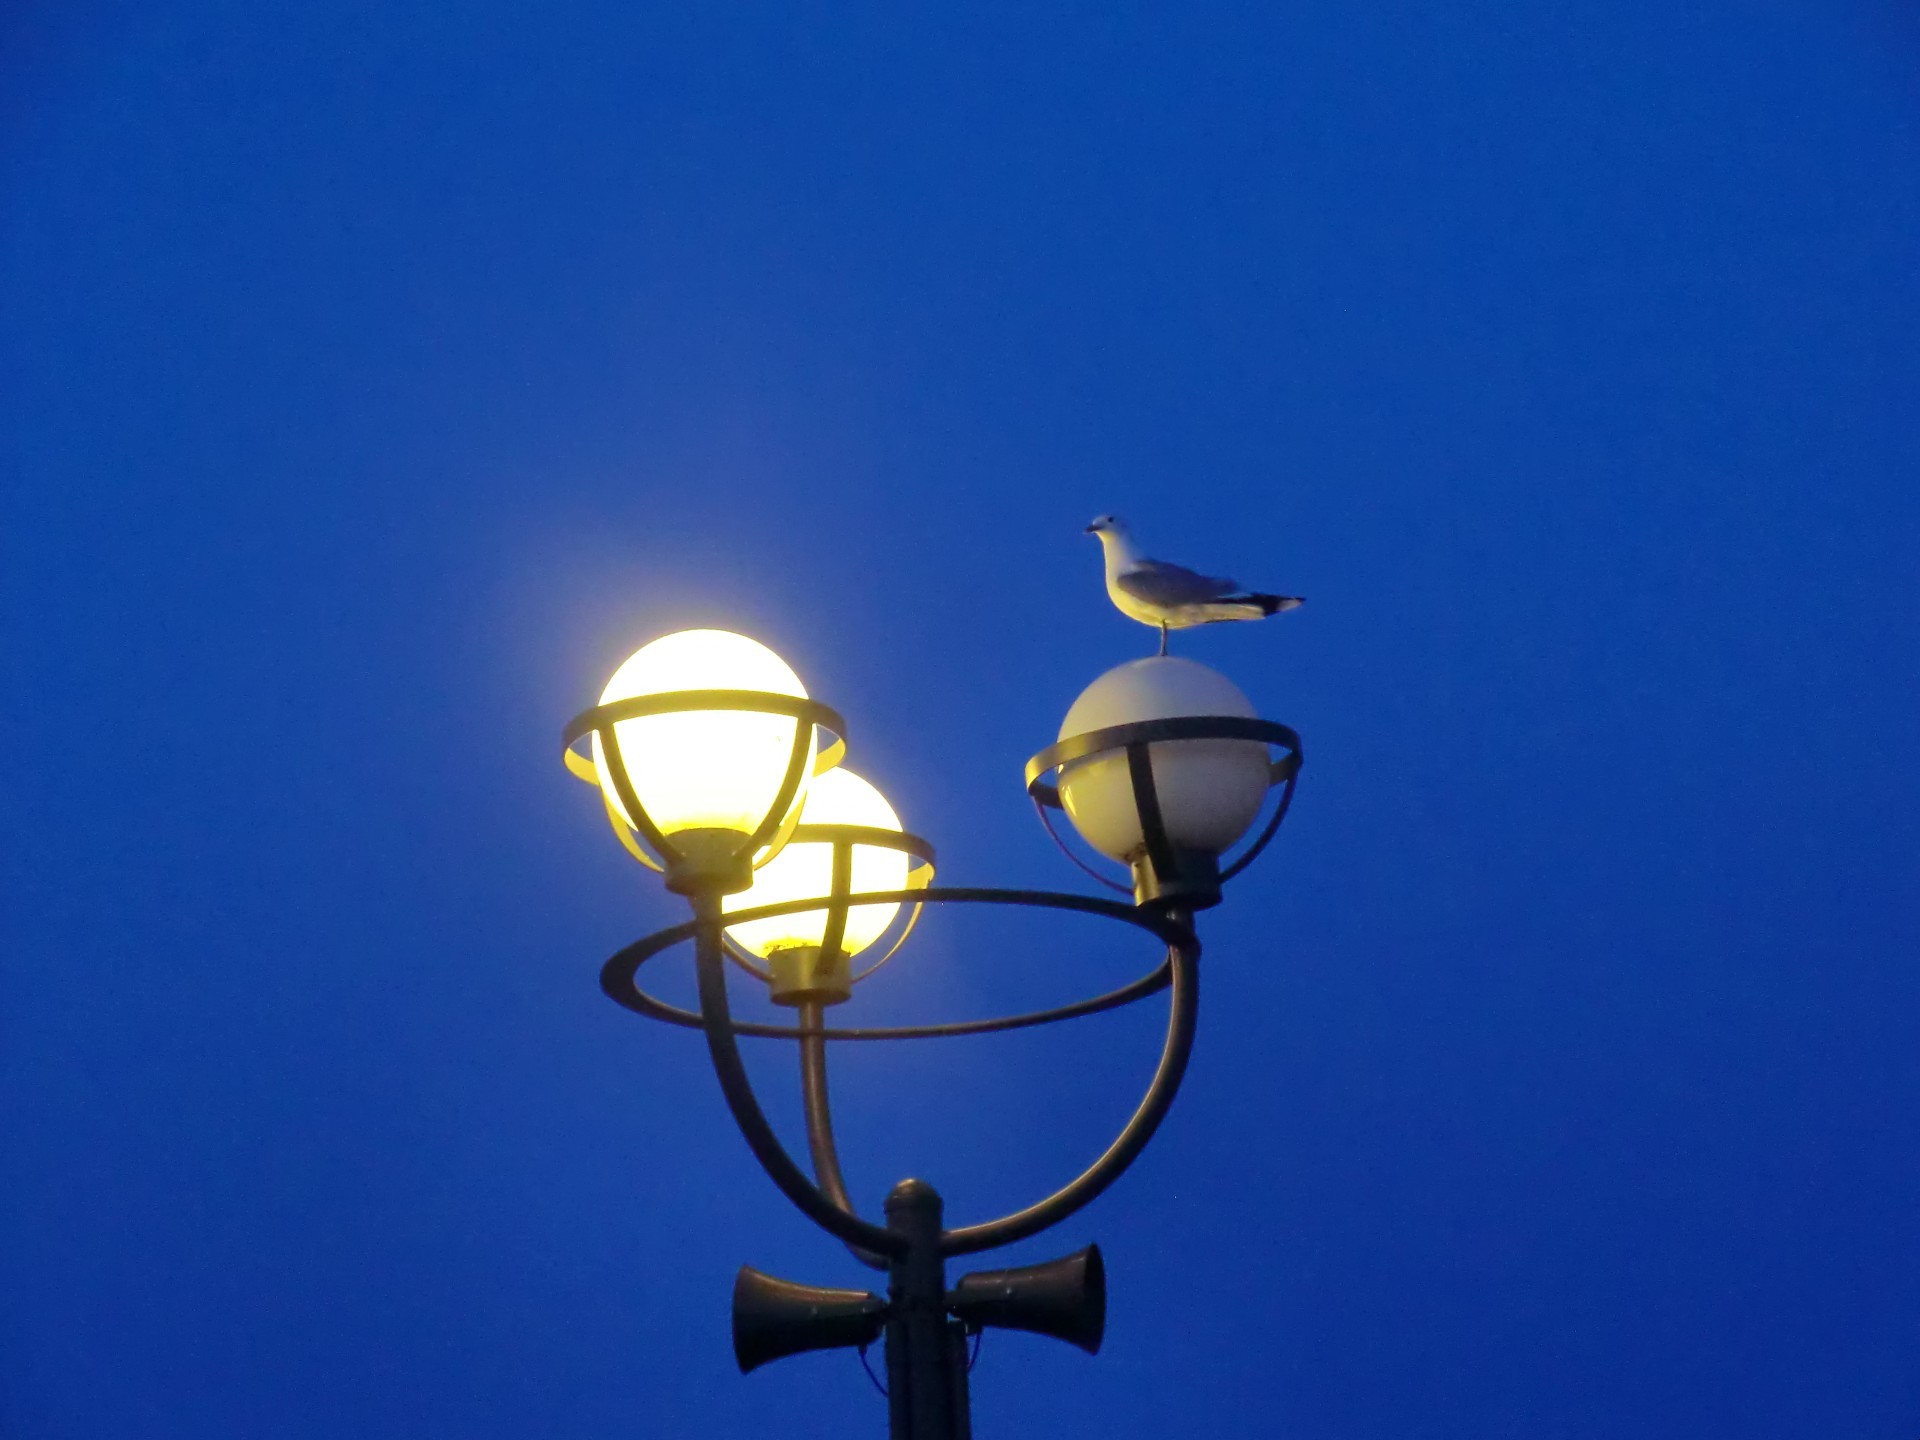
{"points": [[709, 758]]}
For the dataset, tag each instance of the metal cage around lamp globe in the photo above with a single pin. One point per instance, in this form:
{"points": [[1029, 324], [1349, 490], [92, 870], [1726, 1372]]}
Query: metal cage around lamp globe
{"points": [[1164, 765], [703, 746], [848, 842]]}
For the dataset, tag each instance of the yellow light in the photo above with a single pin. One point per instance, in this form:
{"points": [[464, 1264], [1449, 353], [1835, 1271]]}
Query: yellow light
{"points": [[804, 871], [704, 769]]}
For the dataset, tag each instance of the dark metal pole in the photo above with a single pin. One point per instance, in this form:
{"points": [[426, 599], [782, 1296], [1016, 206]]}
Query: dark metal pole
{"points": [[958, 1367], [813, 1091], [922, 1378]]}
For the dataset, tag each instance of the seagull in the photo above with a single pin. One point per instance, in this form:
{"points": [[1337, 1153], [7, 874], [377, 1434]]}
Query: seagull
{"points": [[1172, 596]]}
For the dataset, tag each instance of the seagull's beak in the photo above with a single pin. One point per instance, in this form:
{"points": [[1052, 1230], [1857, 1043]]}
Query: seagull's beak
{"points": [[1091, 530]]}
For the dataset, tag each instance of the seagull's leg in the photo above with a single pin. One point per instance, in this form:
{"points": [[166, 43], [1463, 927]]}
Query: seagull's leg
{"points": [[1163, 637]]}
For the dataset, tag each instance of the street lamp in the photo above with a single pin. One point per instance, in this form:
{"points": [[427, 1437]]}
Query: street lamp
{"points": [[708, 755]]}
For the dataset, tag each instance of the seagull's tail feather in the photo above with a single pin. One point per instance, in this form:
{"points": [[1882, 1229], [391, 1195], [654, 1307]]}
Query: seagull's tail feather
{"points": [[1273, 604], [1246, 607]]}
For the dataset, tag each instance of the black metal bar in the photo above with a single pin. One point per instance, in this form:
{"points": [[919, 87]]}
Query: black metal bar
{"points": [[798, 761], [1181, 1020], [1146, 800], [623, 786], [710, 961], [921, 1390], [1040, 808], [819, 1110], [1289, 770], [840, 884], [914, 845]]}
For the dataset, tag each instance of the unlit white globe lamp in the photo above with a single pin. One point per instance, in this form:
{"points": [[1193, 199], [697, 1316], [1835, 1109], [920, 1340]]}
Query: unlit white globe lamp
{"points": [[1208, 791]]}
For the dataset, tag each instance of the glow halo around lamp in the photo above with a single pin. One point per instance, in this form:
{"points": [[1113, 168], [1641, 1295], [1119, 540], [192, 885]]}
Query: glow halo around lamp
{"points": [[702, 746], [848, 843]]}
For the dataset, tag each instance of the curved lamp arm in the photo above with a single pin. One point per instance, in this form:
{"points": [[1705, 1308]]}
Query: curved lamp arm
{"points": [[826, 1204], [820, 1142], [1183, 957], [710, 961]]}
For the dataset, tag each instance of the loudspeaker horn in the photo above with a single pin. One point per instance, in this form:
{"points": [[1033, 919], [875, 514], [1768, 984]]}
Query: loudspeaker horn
{"points": [[1065, 1298], [773, 1318]]}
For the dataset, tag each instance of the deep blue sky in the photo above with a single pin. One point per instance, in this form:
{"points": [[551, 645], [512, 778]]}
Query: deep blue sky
{"points": [[377, 375]]}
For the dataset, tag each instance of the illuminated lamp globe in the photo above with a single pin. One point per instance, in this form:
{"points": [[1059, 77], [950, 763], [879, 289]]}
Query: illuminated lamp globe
{"points": [[705, 774], [804, 871], [1209, 790]]}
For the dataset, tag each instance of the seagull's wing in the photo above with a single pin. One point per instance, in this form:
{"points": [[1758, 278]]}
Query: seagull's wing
{"points": [[1155, 582]]}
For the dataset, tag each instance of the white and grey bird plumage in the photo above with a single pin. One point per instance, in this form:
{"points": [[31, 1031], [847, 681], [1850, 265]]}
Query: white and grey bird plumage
{"points": [[1172, 597]]}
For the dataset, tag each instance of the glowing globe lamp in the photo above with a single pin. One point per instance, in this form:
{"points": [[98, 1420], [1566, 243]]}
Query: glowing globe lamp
{"points": [[708, 778], [793, 944], [1208, 790]]}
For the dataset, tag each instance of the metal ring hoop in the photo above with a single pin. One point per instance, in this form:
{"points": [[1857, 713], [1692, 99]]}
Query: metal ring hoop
{"points": [[620, 983], [672, 702]]}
